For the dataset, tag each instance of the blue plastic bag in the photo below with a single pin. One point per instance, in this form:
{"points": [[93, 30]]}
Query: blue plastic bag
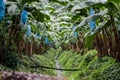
{"points": [[2, 9], [28, 32], [92, 22], [75, 34], [46, 40], [92, 11], [24, 16]]}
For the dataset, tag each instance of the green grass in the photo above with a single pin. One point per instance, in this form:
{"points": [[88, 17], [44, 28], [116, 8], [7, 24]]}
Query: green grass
{"points": [[92, 67]]}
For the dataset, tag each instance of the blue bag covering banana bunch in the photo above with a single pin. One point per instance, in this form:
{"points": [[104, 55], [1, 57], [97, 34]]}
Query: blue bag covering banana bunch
{"points": [[24, 16], [2, 9], [92, 22], [46, 40], [75, 34]]}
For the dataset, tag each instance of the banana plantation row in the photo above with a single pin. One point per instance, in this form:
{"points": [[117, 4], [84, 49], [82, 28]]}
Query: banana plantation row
{"points": [[28, 27]]}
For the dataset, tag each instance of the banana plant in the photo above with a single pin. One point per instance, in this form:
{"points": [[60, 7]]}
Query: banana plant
{"points": [[106, 26], [23, 13], [55, 19]]}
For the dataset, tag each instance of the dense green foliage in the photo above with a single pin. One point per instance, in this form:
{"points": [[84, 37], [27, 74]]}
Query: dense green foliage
{"points": [[91, 67], [44, 32]]}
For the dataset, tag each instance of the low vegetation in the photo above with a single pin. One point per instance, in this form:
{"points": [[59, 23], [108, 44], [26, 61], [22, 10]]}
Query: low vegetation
{"points": [[91, 66]]}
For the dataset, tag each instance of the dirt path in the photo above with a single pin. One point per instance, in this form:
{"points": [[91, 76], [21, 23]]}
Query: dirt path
{"points": [[59, 72]]}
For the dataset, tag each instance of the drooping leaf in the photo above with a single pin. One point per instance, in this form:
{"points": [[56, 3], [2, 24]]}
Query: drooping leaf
{"points": [[102, 26], [13, 9], [62, 2], [115, 1], [28, 32], [74, 27], [38, 15], [85, 4], [89, 18], [29, 1], [62, 9], [45, 2]]}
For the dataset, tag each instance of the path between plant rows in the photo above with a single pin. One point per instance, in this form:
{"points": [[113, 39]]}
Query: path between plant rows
{"points": [[59, 72]]}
